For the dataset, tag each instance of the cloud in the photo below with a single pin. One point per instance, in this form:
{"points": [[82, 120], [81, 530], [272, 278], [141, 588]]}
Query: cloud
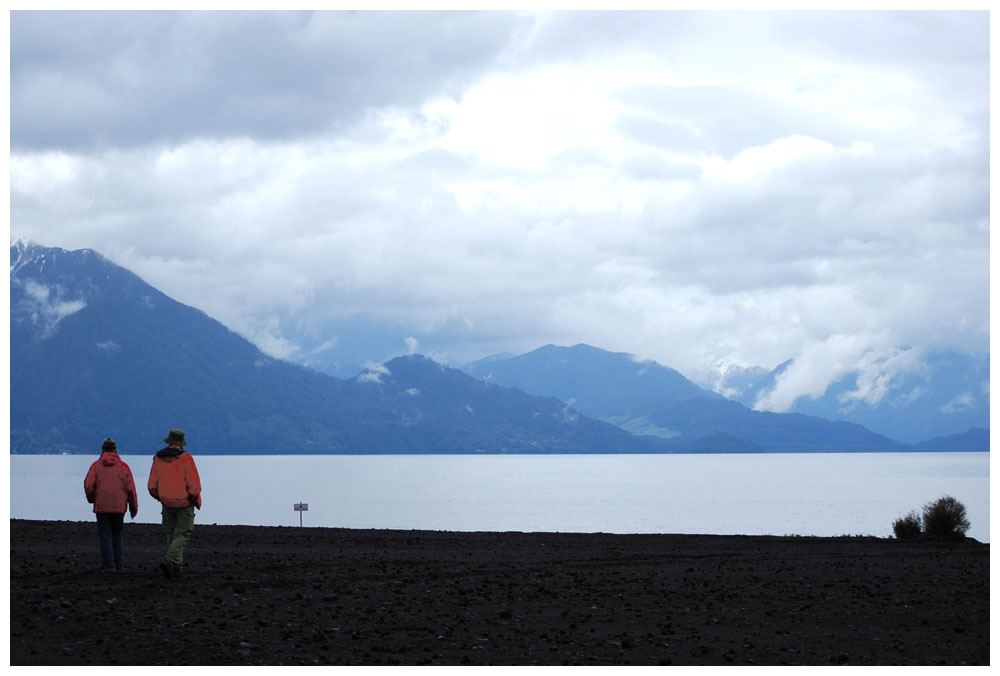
{"points": [[877, 374], [568, 413], [44, 307], [373, 373], [270, 340], [960, 403], [174, 77], [759, 187], [654, 167], [690, 120], [876, 363], [326, 346]]}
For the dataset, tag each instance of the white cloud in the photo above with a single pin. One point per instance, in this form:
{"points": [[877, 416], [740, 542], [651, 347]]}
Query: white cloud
{"points": [[270, 340], [874, 359], [45, 306], [876, 374], [959, 403], [757, 188], [373, 373], [326, 346]]}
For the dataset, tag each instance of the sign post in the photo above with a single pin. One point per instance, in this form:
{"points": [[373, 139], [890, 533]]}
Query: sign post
{"points": [[301, 507]]}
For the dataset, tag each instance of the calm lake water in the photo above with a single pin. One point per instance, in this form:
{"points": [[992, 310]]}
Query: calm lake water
{"points": [[756, 494]]}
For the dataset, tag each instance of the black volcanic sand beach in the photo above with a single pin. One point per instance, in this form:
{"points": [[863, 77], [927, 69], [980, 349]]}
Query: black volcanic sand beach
{"points": [[283, 596]]}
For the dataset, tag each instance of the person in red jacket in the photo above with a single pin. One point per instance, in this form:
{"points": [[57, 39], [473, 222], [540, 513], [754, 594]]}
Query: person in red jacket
{"points": [[174, 481], [110, 488]]}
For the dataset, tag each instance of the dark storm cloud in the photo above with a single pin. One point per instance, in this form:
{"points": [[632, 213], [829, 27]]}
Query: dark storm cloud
{"points": [[93, 79]]}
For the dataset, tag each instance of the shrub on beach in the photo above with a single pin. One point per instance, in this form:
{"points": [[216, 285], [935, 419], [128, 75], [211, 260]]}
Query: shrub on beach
{"points": [[945, 517], [907, 526]]}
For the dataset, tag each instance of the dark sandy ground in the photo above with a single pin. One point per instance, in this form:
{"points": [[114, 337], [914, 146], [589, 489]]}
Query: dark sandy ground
{"points": [[285, 596]]}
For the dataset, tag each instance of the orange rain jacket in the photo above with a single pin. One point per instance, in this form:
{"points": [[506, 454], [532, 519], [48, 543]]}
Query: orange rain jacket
{"points": [[174, 480], [109, 486]]}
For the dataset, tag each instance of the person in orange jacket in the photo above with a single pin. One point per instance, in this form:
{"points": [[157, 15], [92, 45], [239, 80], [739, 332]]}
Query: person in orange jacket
{"points": [[174, 481], [110, 488]]}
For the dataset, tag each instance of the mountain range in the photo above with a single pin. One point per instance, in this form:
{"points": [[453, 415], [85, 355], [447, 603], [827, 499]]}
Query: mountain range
{"points": [[946, 394], [95, 352], [648, 398]]}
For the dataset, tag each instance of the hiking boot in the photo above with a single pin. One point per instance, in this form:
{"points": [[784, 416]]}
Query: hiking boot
{"points": [[170, 569]]}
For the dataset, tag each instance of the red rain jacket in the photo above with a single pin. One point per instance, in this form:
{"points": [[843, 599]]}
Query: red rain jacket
{"points": [[109, 486], [174, 480]]}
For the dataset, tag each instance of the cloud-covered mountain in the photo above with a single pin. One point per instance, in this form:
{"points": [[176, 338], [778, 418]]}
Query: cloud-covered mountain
{"points": [[645, 397], [942, 394], [97, 352], [460, 413], [328, 184]]}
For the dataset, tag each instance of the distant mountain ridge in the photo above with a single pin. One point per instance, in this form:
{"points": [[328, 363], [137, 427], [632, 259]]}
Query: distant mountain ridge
{"points": [[775, 432], [946, 396], [599, 383], [642, 395], [97, 352], [977, 438], [463, 414]]}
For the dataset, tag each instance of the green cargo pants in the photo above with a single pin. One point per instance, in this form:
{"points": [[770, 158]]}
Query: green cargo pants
{"points": [[178, 524]]}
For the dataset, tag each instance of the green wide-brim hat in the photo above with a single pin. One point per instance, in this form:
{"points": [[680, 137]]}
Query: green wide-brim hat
{"points": [[176, 438]]}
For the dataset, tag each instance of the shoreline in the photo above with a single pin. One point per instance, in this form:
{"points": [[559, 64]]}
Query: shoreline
{"points": [[517, 453], [279, 595], [557, 533]]}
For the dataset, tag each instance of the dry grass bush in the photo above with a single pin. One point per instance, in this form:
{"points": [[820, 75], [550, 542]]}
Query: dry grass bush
{"points": [[945, 517], [908, 526]]}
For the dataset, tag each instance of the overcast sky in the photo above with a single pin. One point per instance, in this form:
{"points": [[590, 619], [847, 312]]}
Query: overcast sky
{"points": [[702, 189]]}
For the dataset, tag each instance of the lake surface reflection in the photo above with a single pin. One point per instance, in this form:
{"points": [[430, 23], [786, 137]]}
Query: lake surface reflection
{"points": [[752, 494]]}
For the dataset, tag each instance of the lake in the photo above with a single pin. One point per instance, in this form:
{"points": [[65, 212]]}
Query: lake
{"points": [[823, 494]]}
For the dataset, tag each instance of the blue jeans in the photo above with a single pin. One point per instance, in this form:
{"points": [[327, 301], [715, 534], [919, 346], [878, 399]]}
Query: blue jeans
{"points": [[109, 532]]}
